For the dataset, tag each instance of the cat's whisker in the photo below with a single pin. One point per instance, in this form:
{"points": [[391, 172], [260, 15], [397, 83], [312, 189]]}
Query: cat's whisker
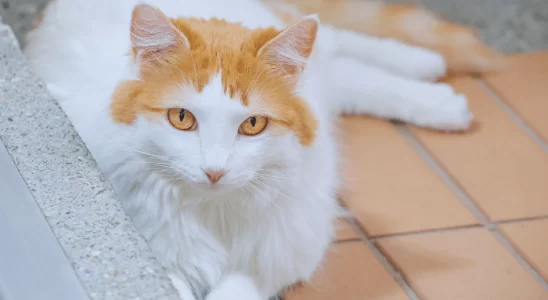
{"points": [[269, 176], [258, 191], [271, 200], [249, 187], [252, 184], [272, 170], [268, 172], [163, 158], [133, 160], [272, 189]]}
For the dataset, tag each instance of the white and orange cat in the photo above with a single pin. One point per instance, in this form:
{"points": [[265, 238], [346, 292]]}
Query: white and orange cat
{"points": [[214, 121]]}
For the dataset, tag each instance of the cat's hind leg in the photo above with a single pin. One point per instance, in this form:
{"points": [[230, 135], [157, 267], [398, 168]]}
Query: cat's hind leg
{"points": [[356, 88], [389, 54]]}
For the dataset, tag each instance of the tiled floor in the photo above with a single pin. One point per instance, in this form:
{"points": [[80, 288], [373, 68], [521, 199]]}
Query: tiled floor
{"points": [[448, 216]]}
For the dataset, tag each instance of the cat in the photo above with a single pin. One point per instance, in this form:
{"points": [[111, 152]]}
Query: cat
{"points": [[215, 123]]}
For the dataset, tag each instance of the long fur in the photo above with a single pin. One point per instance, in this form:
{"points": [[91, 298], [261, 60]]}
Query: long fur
{"points": [[272, 219]]}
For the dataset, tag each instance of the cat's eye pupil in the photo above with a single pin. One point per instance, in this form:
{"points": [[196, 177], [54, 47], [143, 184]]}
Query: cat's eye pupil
{"points": [[181, 115], [253, 121]]}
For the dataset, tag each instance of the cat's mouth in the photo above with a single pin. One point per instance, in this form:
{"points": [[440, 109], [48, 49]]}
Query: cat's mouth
{"points": [[214, 187], [217, 188], [244, 183]]}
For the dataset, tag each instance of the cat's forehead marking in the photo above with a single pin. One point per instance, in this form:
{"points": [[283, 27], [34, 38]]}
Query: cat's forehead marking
{"points": [[217, 47], [211, 99]]}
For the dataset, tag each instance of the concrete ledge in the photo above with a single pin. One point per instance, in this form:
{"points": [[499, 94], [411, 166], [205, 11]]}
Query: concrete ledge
{"points": [[111, 259]]}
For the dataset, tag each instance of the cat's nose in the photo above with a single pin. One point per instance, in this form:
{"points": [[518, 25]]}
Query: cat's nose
{"points": [[214, 175]]}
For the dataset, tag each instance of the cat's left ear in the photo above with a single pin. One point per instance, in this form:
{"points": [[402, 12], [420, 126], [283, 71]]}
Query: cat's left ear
{"points": [[288, 52], [153, 35]]}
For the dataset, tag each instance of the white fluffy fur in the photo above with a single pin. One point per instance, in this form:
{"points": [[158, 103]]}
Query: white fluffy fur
{"points": [[272, 218]]}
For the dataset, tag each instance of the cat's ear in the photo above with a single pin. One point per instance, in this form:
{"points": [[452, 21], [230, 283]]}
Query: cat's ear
{"points": [[288, 52], [153, 35]]}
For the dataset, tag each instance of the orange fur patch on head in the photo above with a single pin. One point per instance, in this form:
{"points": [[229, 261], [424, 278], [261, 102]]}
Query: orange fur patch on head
{"points": [[189, 52]]}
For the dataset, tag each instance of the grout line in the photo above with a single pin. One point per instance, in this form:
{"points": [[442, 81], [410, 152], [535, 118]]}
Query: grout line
{"points": [[513, 114], [520, 258], [502, 222], [427, 231], [385, 262], [445, 176], [470, 204], [337, 242]]}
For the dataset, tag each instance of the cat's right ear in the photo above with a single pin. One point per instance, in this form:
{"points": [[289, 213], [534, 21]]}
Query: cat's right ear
{"points": [[288, 52], [153, 35]]}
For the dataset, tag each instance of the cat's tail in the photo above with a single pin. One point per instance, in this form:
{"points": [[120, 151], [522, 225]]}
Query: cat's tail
{"points": [[462, 49]]}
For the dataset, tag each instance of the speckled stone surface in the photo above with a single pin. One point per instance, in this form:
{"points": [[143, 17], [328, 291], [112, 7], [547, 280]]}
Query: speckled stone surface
{"points": [[111, 259], [508, 25]]}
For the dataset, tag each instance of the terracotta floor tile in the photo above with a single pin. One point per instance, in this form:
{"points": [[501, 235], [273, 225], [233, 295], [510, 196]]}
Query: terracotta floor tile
{"points": [[345, 230], [350, 272], [466, 264], [501, 167], [388, 187], [523, 86], [530, 238]]}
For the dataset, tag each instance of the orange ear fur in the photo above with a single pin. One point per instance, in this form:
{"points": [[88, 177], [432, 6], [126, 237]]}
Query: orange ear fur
{"points": [[288, 51], [153, 35]]}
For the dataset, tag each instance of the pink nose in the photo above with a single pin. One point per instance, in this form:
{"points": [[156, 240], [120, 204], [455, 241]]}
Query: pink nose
{"points": [[215, 176]]}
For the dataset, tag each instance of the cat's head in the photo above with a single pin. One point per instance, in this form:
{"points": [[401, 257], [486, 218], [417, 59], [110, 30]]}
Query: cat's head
{"points": [[216, 104]]}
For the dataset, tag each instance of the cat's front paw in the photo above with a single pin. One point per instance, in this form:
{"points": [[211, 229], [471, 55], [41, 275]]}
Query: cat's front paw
{"points": [[184, 290], [454, 115], [449, 112], [235, 287]]}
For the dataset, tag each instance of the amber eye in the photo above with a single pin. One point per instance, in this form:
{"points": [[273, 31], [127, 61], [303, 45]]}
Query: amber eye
{"points": [[181, 119], [253, 125]]}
